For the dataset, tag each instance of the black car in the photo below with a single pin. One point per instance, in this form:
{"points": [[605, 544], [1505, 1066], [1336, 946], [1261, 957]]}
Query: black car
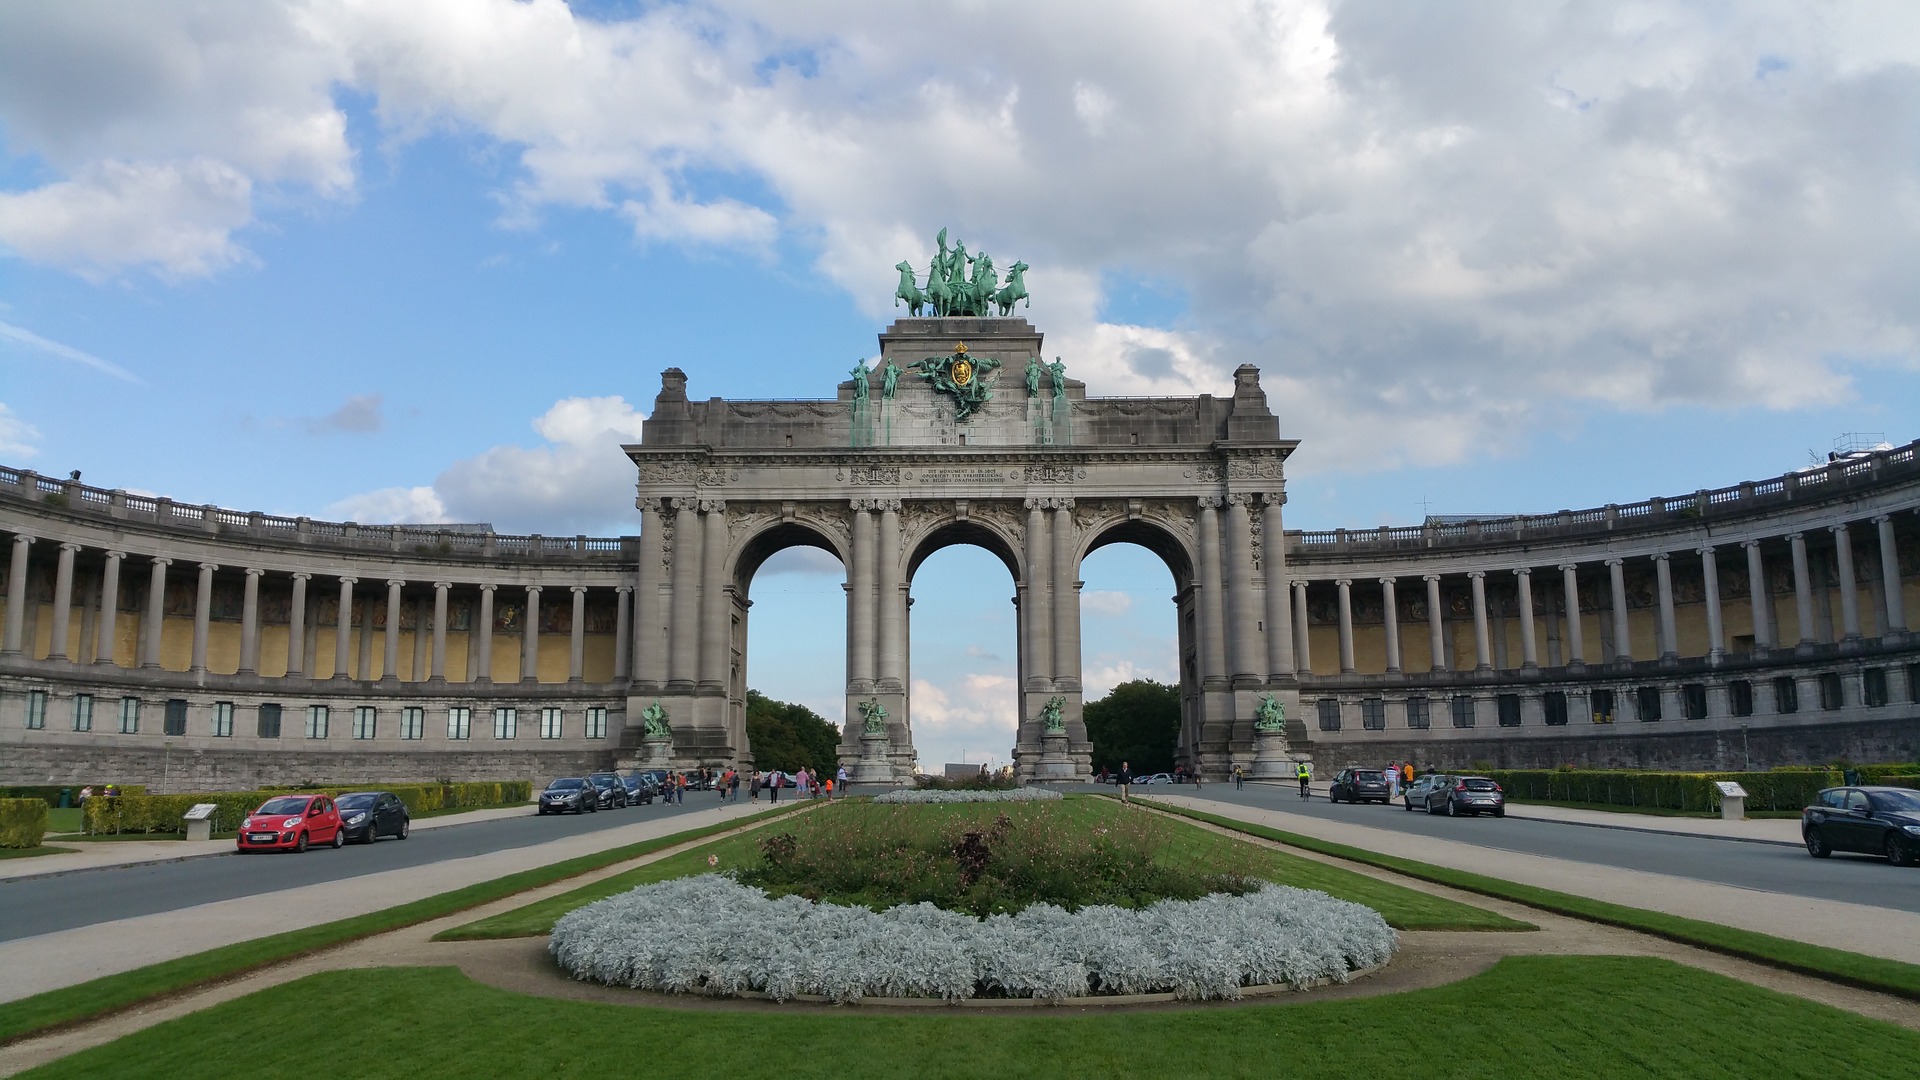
{"points": [[1872, 820], [1359, 785], [639, 788], [367, 816], [573, 793], [613, 793], [1456, 795]]}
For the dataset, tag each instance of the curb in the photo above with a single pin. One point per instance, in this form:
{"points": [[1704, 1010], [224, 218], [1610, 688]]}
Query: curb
{"points": [[1620, 827]]}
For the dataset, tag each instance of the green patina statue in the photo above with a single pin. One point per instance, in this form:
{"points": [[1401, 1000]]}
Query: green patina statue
{"points": [[889, 381], [959, 376], [1059, 371], [1271, 716], [961, 285], [873, 716], [1034, 368], [860, 373], [654, 722], [1050, 714]]}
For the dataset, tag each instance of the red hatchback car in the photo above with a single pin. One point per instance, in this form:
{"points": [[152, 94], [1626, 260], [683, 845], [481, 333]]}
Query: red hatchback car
{"points": [[291, 823]]}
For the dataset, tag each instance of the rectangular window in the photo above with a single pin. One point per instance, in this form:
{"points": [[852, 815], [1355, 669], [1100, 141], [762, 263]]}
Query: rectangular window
{"points": [[365, 718], [83, 712], [1693, 700], [129, 716], [1509, 705], [1554, 704], [1786, 695], [317, 721], [1647, 702], [1873, 686], [506, 722], [1831, 697], [1329, 713], [1740, 697], [223, 719], [597, 722], [459, 722], [1418, 718], [1373, 714], [37, 710], [1462, 711], [550, 723], [413, 723], [1602, 706], [175, 721], [269, 727]]}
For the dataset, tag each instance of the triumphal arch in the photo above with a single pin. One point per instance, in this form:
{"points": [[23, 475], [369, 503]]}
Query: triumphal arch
{"points": [[963, 432]]}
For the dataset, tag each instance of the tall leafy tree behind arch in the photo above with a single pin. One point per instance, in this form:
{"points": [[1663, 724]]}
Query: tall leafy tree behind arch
{"points": [[1137, 722], [786, 736]]}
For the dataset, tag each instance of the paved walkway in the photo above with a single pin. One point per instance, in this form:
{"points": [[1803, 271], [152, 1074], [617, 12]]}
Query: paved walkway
{"points": [[1874, 931]]}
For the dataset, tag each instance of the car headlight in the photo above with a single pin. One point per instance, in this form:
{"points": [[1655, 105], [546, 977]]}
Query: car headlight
{"points": [[290, 823], [357, 818], [1912, 830]]}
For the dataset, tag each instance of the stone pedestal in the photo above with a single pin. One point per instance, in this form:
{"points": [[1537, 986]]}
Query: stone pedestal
{"points": [[1270, 759], [874, 766], [656, 752], [1055, 763]]}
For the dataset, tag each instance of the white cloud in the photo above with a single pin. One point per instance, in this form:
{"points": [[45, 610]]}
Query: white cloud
{"points": [[388, 506], [1105, 602], [1103, 673], [974, 717], [18, 439], [179, 216], [22, 336]]}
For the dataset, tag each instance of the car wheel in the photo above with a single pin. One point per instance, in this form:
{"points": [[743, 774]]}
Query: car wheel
{"points": [[1430, 809], [541, 812], [373, 833], [1899, 852], [1817, 845], [340, 837], [300, 844], [1502, 812], [1409, 806], [1452, 810], [406, 826]]}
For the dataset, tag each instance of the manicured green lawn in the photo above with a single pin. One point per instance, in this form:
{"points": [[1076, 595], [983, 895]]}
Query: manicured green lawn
{"points": [[32, 852], [65, 820], [1402, 907], [1581, 1016]]}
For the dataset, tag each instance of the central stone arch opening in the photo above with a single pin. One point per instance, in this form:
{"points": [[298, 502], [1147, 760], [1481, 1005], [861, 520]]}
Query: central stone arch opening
{"points": [[963, 638]]}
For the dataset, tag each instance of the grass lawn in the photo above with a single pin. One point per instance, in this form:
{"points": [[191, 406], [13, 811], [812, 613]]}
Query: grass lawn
{"points": [[1580, 1016], [1403, 908], [65, 820], [31, 852]]}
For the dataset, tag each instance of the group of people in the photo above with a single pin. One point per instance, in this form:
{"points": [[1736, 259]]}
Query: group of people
{"points": [[1399, 775], [805, 784]]}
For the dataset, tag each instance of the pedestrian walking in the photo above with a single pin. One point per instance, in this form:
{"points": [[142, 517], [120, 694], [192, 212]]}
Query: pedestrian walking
{"points": [[841, 776], [1393, 780], [753, 787], [733, 785], [1239, 778], [1125, 780], [773, 787]]}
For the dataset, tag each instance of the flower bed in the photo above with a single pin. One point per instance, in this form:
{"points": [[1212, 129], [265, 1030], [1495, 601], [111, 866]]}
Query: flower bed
{"points": [[711, 935], [1025, 794]]}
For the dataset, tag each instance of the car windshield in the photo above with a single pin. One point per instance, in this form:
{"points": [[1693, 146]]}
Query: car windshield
{"points": [[355, 802], [1900, 802], [564, 785], [603, 781], [1479, 784], [286, 804], [1368, 774]]}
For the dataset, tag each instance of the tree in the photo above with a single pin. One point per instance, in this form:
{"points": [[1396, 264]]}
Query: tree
{"points": [[1137, 722], [786, 736]]}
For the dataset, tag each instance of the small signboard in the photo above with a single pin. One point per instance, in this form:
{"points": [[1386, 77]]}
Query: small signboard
{"points": [[201, 811], [1730, 790]]}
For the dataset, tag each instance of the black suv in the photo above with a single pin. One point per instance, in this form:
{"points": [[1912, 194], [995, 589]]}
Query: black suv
{"points": [[640, 788], [1359, 785], [1873, 820], [613, 793], [569, 793]]}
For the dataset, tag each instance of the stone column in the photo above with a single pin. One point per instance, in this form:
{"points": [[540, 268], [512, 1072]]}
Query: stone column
{"points": [[577, 639], [202, 612], [1849, 587], [716, 616], [1436, 630], [297, 625], [1391, 606], [1570, 584], [109, 609], [62, 602], [343, 632], [1622, 630], [1066, 599], [891, 668], [1529, 652], [1890, 579], [1302, 641], [17, 595], [1344, 588], [1035, 606], [438, 672], [1242, 607], [530, 638], [1759, 597], [1213, 652], [683, 628], [1273, 556], [649, 660], [860, 613], [155, 613], [1710, 576], [1669, 636], [250, 623], [1482, 639], [390, 650], [1802, 589], [622, 632], [483, 660]]}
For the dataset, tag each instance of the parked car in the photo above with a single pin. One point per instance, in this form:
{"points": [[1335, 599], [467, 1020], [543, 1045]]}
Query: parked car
{"points": [[612, 793], [1157, 778], [1416, 792], [639, 788], [1872, 820], [369, 815], [573, 793], [291, 823], [1360, 785], [1455, 795]]}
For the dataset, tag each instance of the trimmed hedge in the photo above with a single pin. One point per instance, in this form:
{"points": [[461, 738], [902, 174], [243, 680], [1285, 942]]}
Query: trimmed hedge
{"points": [[1776, 789], [164, 813], [51, 794], [23, 823]]}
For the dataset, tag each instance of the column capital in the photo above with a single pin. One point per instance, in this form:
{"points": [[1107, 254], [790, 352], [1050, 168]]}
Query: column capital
{"points": [[1749, 544], [1430, 577], [1343, 582], [887, 506], [113, 554], [301, 575], [1565, 566], [713, 506], [1523, 571], [1659, 556], [344, 580], [685, 506], [438, 585], [1837, 530], [1882, 519], [576, 589], [1704, 549], [1795, 537], [20, 539], [533, 588], [1387, 581], [1616, 562], [487, 587], [68, 545], [395, 583], [209, 567], [1476, 575], [623, 589], [1209, 502], [649, 506], [254, 571]]}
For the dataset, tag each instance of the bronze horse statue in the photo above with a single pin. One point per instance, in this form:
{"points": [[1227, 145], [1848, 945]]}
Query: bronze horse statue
{"points": [[908, 291], [1016, 289]]}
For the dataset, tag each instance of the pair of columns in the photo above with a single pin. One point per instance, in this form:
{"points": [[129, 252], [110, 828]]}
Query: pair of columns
{"points": [[1050, 597], [1235, 612], [686, 641]]}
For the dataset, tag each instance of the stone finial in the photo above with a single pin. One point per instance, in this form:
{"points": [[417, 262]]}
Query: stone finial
{"points": [[673, 385]]}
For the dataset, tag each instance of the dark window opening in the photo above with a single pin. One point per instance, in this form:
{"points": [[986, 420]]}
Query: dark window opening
{"points": [[1648, 703], [1693, 700], [1554, 702], [1509, 705], [1418, 717], [1831, 695], [1329, 714], [1602, 701], [1463, 711], [1786, 695], [1873, 686], [269, 721], [1740, 697], [176, 722], [1373, 714]]}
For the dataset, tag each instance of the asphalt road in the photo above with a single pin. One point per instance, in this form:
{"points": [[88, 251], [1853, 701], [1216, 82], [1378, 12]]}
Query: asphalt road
{"points": [[42, 905], [1856, 879]]}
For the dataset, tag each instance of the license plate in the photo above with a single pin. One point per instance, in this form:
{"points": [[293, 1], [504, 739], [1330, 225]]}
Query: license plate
{"points": [[261, 837]]}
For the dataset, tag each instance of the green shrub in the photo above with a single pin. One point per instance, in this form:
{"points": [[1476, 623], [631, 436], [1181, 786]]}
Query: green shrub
{"points": [[1775, 789], [164, 813], [50, 794], [23, 822]]}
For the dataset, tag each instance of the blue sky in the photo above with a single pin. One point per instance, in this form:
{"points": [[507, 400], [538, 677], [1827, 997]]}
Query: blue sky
{"points": [[426, 261]]}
